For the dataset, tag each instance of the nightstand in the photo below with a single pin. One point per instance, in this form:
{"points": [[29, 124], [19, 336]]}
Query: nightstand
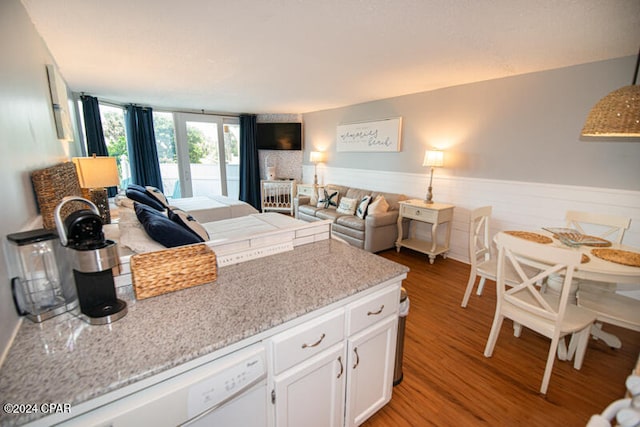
{"points": [[430, 213], [305, 190]]}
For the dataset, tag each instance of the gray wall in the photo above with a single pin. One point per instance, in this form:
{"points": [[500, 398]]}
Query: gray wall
{"points": [[27, 135], [522, 128]]}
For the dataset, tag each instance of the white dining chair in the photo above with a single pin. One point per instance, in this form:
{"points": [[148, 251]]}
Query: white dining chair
{"points": [[610, 307], [525, 304], [610, 227], [483, 264]]}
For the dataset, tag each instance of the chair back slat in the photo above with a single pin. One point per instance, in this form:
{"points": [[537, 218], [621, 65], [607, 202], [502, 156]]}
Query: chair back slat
{"points": [[479, 239], [549, 261], [599, 225]]}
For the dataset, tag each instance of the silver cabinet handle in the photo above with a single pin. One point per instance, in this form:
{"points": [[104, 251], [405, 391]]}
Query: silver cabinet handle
{"points": [[341, 366], [355, 350], [315, 344], [375, 313]]}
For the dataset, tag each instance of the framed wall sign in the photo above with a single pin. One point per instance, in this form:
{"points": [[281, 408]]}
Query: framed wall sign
{"points": [[373, 136], [59, 104]]}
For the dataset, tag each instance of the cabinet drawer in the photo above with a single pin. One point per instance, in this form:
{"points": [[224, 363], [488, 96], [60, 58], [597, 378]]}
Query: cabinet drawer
{"points": [[372, 309], [422, 214], [295, 345], [305, 190]]}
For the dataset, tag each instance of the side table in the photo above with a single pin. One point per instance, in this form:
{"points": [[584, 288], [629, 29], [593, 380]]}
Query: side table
{"points": [[430, 213]]}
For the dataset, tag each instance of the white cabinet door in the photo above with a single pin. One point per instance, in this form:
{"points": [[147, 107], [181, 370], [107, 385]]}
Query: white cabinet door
{"points": [[370, 362], [311, 394]]}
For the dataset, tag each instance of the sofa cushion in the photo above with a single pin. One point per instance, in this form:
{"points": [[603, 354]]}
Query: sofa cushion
{"points": [[351, 221], [347, 206], [343, 230], [331, 214], [391, 198], [356, 193], [308, 209]]}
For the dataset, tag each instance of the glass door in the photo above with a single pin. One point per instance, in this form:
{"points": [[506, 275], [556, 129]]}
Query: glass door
{"points": [[202, 159]]}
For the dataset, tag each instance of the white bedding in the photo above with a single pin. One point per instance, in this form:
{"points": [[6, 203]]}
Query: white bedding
{"points": [[213, 208]]}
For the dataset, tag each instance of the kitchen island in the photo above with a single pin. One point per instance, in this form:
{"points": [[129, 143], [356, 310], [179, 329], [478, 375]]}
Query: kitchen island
{"points": [[66, 361]]}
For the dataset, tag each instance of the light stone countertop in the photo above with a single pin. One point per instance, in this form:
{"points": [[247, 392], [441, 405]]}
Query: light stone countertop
{"points": [[65, 360]]}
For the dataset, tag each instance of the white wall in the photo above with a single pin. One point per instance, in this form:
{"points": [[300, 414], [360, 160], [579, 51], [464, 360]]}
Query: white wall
{"points": [[27, 135], [522, 128]]}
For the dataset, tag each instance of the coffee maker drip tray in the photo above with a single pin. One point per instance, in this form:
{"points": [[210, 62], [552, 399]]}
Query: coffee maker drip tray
{"points": [[105, 313]]}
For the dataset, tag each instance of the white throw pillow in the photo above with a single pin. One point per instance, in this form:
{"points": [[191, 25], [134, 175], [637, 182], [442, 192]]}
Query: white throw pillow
{"points": [[379, 205], [361, 211], [347, 206], [327, 199]]}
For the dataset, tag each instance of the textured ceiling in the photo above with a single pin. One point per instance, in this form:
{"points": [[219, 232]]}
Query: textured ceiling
{"points": [[296, 56]]}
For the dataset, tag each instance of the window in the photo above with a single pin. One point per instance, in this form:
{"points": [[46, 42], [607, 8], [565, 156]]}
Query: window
{"points": [[190, 149]]}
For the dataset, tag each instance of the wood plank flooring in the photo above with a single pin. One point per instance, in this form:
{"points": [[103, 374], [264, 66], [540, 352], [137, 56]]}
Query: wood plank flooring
{"points": [[449, 382]]}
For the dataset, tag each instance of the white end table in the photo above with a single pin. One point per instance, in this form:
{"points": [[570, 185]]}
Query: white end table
{"points": [[430, 213]]}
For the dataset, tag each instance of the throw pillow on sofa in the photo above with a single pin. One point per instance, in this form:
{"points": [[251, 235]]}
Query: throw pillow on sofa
{"points": [[347, 206], [327, 199], [361, 211], [379, 205]]}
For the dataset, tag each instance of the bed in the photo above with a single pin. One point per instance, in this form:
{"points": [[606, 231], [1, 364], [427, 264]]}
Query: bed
{"points": [[213, 208], [234, 240]]}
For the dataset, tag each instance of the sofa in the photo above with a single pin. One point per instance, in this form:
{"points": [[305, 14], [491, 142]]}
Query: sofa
{"points": [[373, 229]]}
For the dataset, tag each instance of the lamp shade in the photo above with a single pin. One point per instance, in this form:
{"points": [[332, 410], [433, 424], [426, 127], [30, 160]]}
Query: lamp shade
{"points": [[97, 172], [316, 157], [615, 115], [433, 158]]}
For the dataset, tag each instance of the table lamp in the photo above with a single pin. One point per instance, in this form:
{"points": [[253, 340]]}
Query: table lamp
{"points": [[95, 174], [316, 157], [432, 159]]}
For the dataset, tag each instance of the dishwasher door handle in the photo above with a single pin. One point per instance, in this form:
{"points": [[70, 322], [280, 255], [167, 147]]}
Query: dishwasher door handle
{"points": [[226, 400]]}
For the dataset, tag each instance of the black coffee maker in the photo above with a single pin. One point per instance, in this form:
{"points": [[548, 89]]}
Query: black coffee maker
{"points": [[92, 259]]}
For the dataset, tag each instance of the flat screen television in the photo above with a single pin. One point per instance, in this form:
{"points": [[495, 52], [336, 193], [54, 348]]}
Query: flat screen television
{"points": [[279, 136]]}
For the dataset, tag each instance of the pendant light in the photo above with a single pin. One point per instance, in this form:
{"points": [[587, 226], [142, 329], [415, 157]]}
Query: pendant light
{"points": [[617, 114]]}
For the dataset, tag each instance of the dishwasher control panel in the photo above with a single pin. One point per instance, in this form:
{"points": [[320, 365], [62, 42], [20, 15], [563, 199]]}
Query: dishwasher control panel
{"points": [[234, 376]]}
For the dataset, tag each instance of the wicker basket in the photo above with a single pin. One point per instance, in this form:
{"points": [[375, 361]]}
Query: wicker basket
{"points": [[51, 185], [161, 272]]}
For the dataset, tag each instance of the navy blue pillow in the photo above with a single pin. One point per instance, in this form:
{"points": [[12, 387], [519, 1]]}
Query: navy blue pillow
{"points": [[161, 229], [142, 197], [136, 187]]}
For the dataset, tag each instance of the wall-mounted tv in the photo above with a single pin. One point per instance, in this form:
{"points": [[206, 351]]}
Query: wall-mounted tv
{"points": [[279, 136]]}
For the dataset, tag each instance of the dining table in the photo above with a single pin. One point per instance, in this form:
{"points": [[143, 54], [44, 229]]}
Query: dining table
{"points": [[603, 262]]}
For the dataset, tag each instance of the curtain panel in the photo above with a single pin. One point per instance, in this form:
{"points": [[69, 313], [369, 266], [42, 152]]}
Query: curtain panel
{"points": [[249, 163], [93, 130], [141, 142]]}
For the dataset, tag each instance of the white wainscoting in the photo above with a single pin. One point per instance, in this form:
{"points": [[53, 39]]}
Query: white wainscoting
{"points": [[516, 205]]}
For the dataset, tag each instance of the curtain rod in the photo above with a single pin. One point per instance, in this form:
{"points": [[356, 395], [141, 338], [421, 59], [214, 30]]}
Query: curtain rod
{"points": [[162, 109]]}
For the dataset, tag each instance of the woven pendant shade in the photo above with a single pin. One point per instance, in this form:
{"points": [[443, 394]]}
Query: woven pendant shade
{"points": [[615, 115]]}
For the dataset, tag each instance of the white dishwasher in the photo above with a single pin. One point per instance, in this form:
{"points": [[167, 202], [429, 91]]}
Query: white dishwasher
{"points": [[230, 391]]}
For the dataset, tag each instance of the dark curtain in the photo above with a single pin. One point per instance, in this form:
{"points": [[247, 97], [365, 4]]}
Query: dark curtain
{"points": [[143, 152], [93, 130], [249, 163]]}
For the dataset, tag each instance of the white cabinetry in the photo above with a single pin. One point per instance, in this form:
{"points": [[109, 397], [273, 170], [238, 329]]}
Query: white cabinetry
{"points": [[371, 361], [316, 384]]}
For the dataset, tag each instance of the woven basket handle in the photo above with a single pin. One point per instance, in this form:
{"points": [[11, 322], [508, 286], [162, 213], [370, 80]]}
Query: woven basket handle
{"points": [[56, 215]]}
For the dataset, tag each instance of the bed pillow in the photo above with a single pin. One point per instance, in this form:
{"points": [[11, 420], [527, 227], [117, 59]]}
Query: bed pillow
{"points": [[187, 221], [157, 194], [142, 197], [161, 229], [347, 206], [361, 210]]}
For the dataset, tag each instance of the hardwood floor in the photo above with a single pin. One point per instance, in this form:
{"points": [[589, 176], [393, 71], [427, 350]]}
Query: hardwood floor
{"points": [[449, 382]]}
